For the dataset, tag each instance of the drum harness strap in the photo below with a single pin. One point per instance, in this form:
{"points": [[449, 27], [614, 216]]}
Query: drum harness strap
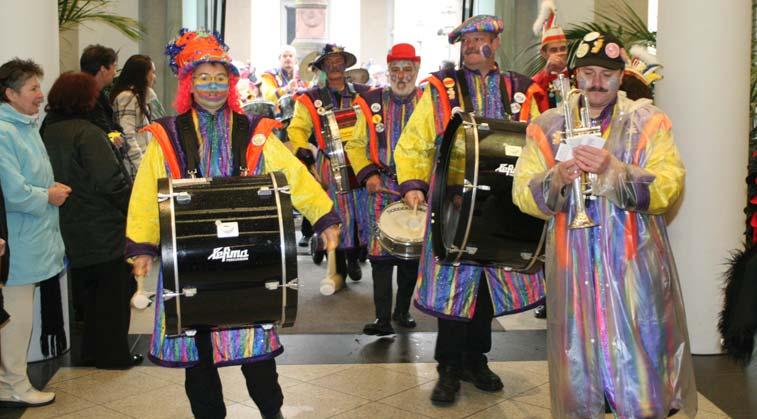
{"points": [[504, 92], [189, 141]]}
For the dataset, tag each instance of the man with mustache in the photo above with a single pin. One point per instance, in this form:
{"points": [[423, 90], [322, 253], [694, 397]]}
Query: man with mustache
{"points": [[617, 333], [385, 112], [465, 298], [212, 137], [332, 92], [283, 80]]}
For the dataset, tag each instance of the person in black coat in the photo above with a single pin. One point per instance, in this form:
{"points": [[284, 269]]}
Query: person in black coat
{"points": [[93, 220]]}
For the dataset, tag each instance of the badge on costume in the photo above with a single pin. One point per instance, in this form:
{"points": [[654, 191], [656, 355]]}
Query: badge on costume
{"points": [[375, 107], [448, 82], [258, 139], [612, 50], [318, 103], [519, 97], [591, 36], [321, 111], [380, 127], [451, 94], [376, 119], [515, 107], [582, 50]]}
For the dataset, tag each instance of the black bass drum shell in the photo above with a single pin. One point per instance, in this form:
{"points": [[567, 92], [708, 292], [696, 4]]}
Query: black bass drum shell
{"points": [[474, 218], [237, 276]]}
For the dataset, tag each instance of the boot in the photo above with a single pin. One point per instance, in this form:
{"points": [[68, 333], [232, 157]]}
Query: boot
{"points": [[476, 371], [448, 385]]}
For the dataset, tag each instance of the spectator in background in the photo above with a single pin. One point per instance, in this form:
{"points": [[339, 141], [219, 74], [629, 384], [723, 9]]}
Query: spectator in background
{"points": [[135, 105], [31, 200], [100, 62], [93, 221]]}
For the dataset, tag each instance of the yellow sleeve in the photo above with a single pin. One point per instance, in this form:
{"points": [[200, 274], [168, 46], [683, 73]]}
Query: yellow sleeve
{"points": [[665, 164], [357, 147], [308, 197], [269, 88], [531, 167], [300, 127], [142, 223], [414, 154]]}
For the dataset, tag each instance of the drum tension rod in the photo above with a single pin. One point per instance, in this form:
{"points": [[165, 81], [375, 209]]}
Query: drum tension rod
{"points": [[274, 285], [467, 185], [186, 292], [267, 190], [181, 197], [468, 249]]}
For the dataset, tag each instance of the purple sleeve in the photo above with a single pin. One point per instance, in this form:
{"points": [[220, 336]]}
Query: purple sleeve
{"points": [[366, 172], [331, 218], [414, 184], [136, 249]]}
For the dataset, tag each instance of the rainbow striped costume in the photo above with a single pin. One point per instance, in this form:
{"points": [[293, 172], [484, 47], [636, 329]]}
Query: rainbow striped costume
{"points": [[617, 326], [444, 290]]}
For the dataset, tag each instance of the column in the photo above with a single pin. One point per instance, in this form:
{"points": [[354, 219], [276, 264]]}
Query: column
{"points": [[706, 94], [310, 26]]}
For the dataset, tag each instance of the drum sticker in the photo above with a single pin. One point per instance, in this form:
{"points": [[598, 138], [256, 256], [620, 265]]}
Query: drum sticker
{"points": [[375, 107], [515, 107], [229, 229], [258, 139], [519, 97], [513, 150], [225, 254], [506, 168]]}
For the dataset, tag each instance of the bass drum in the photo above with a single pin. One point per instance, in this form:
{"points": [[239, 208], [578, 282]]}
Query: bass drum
{"points": [[228, 252], [473, 217]]}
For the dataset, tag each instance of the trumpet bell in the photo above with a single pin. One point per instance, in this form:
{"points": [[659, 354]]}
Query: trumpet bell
{"points": [[581, 220]]}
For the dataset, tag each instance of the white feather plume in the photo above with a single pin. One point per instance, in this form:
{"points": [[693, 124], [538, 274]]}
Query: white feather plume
{"points": [[546, 8], [642, 53]]}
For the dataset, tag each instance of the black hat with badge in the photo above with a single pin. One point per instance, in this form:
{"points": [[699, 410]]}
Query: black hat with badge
{"points": [[603, 50]]}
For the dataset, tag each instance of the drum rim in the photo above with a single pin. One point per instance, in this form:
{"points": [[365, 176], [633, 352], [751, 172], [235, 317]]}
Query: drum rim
{"points": [[407, 245]]}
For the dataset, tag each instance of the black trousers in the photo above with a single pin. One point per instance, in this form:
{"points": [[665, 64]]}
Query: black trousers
{"points": [[458, 339], [203, 384], [407, 272], [105, 289], [306, 228]]}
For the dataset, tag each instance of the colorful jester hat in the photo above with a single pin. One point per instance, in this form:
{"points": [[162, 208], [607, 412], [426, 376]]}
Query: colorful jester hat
{"points": [[192, 48]]}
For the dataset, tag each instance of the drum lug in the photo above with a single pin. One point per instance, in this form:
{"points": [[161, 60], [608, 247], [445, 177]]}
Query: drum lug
{"points": [[181, 197], [186, 292], [190, 332], [467, 186], [468, 249], [267, 190], [274, 285]]}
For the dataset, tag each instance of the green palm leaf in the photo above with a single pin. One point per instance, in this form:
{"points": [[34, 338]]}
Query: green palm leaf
{"points": [[75, 12]]}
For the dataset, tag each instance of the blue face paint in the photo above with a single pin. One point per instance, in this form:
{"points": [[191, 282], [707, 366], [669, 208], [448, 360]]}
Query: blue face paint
{"points": [[486, 51]]}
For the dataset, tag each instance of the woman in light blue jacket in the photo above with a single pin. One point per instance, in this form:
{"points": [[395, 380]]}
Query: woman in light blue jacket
{"points": [[32, 198]]}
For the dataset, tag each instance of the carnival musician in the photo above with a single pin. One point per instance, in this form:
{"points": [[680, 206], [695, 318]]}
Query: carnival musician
{"points": [[617, 332], [465, 298], [283, 80], [554, 50], [211, 137], [385, 111], [333, 92]]}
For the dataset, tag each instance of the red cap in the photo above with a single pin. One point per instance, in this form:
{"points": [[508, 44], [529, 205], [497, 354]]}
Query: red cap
{"points": [[402, 52]]}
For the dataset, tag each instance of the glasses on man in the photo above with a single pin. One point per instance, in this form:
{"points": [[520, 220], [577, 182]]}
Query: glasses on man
{"points": [[207, 78]]}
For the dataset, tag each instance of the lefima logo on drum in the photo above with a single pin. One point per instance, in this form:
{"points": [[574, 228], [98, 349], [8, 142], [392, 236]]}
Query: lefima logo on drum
{"points": [[225, 254]]}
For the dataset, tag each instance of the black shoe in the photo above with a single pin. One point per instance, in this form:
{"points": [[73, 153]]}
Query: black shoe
{"points": [[278, 415], [448, 385], [477, 371], [304, 241], [541, 312], [404, 320], [133, 361], [379, 328], [354, 271]]}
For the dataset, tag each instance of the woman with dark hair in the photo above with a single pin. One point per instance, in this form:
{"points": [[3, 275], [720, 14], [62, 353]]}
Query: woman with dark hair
{"points": [[31, 199], [135, 105], [93, 221]]}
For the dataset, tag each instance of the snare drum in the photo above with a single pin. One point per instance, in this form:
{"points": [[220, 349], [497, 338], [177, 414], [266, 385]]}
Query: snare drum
{"points": [[473, 217], [400, 230], [228, 252]]}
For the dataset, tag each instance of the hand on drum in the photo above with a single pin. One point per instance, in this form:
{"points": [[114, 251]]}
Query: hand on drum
{"points": [[330, 237], [141, 265], [414, 198], [592, 159]]}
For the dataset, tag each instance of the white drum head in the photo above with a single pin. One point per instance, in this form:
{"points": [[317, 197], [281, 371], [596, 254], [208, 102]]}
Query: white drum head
{"points": [[400, 223]]}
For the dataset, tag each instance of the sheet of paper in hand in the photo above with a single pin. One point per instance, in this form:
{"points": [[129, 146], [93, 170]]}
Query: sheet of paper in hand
{"points": [[565, 151]]}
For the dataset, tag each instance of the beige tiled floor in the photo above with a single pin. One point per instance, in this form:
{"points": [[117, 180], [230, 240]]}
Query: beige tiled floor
{"points": [[396, 391]]}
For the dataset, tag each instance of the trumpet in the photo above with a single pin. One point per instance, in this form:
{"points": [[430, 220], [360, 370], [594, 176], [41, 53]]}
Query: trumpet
{"points": [[580, 219]]}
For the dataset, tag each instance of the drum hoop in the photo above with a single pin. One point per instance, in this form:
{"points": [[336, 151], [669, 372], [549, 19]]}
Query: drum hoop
{"points": [[440, 182], [403, 256], [283, 250], [473, 189], [174, 255]]}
